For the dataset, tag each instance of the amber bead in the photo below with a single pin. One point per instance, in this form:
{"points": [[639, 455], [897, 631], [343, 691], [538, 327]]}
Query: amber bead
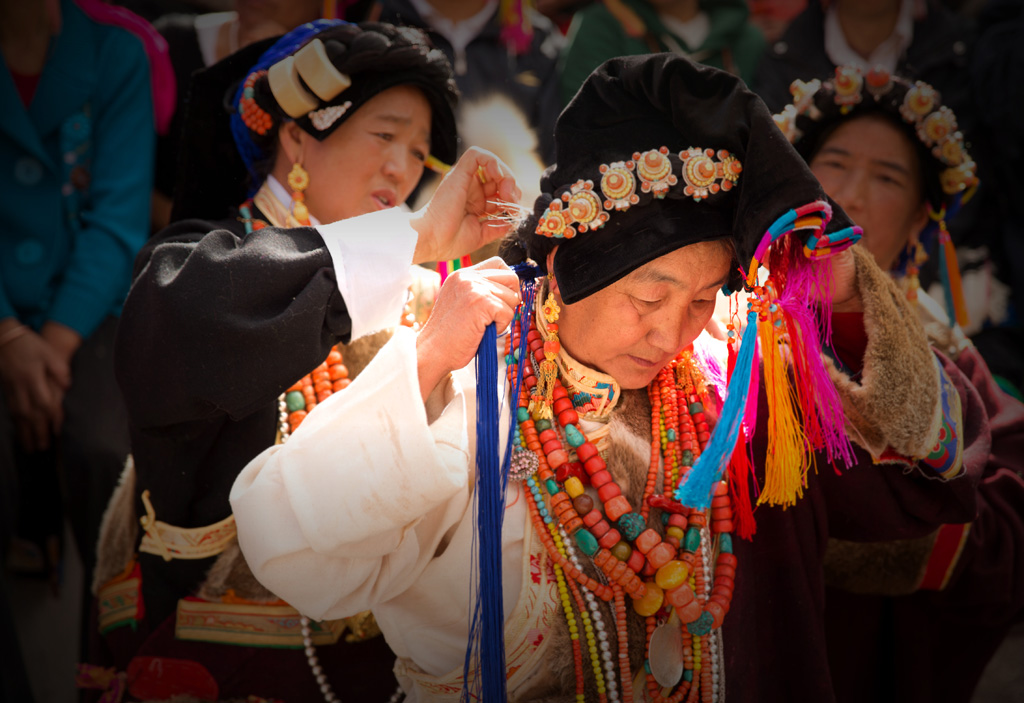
{"points": [[651, 602], [583, 504]]}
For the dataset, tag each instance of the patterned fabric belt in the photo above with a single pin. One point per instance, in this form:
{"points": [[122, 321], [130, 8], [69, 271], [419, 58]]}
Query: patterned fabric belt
{"points": [[249, 624], [172, 542]]}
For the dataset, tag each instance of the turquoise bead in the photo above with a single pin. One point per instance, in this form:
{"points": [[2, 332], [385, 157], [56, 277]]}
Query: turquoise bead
{"points": [[573, 436], [702, 625], [295, 401], [695, 408], [586, 542], [647, 665], [664, 518], [692, 539], [725, 543], [542, 425], [687, 457], [509, 359], [552, 486], [522, 414], [631, 525], [671, 435], [688, 675], [515, 353]]}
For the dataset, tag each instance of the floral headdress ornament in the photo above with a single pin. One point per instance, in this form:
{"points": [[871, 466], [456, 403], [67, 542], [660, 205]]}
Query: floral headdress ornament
{"points": [[919, 107]]}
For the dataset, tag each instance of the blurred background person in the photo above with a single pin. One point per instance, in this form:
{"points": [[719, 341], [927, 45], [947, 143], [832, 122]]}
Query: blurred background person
{"points": [[714, 33], [497, 48]]}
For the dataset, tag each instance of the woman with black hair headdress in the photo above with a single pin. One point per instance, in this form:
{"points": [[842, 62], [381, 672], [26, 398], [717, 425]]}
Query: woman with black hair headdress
{"points": [[230, 314], [621, 577]]}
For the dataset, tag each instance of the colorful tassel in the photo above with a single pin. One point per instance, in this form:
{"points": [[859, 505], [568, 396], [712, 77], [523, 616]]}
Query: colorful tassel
{"points": [[949, 271], [516, 28], [695, 489], [788, 457]]}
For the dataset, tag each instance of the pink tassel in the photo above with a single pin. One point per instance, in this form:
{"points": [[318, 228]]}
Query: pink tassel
{"points": [[819, 401]]}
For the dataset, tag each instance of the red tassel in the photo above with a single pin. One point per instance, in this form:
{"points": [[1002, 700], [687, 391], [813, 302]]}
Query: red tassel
{"points": [[740, 476], [740, 473]]}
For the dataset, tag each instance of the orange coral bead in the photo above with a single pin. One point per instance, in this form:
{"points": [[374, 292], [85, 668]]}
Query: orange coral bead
{"points": [[660, 555], [679, 597], [647, 540], [616, 507], [689, 612]]}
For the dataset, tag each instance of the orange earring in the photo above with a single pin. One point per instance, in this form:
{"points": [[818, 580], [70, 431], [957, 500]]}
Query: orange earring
{"points": [[298, 181]]}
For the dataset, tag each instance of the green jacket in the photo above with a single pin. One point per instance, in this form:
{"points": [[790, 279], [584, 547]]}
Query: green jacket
{"points": [[596, 35]]}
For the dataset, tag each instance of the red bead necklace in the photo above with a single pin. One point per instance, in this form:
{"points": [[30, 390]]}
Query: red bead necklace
{"points": [[614, 535]]}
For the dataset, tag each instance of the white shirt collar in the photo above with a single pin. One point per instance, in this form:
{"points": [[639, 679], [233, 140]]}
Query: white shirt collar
{"points": [[459, 34], [694, 32], [886, 55]]}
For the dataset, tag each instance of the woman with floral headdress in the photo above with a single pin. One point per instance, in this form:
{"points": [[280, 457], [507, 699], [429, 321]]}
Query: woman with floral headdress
{"points": [[230, 313], [889, 152], [626, 568]]}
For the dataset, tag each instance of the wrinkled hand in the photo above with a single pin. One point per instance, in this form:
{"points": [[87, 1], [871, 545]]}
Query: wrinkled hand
{"points": [[470, 299], [464, 214], [35, 378]]}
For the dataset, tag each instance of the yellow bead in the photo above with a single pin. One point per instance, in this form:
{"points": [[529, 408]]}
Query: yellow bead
{"points": [[573, 486], [651, 601], [672, 574], [676, 532]]}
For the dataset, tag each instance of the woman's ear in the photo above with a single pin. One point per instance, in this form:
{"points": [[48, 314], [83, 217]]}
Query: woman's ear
{"points": [[920, 219], [549, 264], [289, 138]]}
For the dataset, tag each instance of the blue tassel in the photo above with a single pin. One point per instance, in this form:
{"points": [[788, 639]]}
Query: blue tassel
{"points": [[484, 670], [695, 489]]}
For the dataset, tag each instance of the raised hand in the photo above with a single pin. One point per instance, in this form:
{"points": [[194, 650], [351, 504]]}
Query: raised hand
{"points": [[467, 210], [470, 299]]}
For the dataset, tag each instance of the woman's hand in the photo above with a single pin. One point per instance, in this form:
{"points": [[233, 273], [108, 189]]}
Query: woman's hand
{"points": [[466, 212], [34, 377], [845, 294], [470, 299]]}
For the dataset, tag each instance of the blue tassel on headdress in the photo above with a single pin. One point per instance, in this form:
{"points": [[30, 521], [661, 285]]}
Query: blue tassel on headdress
{"points": [[285, 46], [483, 671], [695, 489]]}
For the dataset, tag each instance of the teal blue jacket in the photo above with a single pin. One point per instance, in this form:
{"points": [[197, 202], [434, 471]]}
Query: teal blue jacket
{"points": [[76, 172]]}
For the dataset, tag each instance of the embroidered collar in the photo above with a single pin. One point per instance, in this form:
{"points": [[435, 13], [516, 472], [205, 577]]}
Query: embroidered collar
{"points": [[594, 394]]}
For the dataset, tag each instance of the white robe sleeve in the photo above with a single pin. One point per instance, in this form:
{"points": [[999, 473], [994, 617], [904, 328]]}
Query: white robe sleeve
{"points": [[348, 512], [372, 254]]}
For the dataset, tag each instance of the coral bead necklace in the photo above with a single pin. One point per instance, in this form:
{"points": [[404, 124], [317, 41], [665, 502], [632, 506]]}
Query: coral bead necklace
{"points": [[669, 578]]}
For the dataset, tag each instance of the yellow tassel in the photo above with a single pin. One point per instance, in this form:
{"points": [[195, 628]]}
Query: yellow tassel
{"points": [[788, 456]]}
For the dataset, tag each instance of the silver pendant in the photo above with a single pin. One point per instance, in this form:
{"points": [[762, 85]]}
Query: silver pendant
{"points": [[666, 653]]}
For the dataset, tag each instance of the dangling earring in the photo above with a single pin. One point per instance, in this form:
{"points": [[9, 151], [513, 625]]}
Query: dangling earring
{"points": [[548, 370], [916, 255], [298, 181]]}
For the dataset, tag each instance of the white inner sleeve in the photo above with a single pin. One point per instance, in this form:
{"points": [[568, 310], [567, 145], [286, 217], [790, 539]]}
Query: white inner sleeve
{"points": [[372, 255]]}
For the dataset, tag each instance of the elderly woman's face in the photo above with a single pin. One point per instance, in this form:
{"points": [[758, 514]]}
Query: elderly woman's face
{"points": [[635, 326], [373, 160], [870, 167]]}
